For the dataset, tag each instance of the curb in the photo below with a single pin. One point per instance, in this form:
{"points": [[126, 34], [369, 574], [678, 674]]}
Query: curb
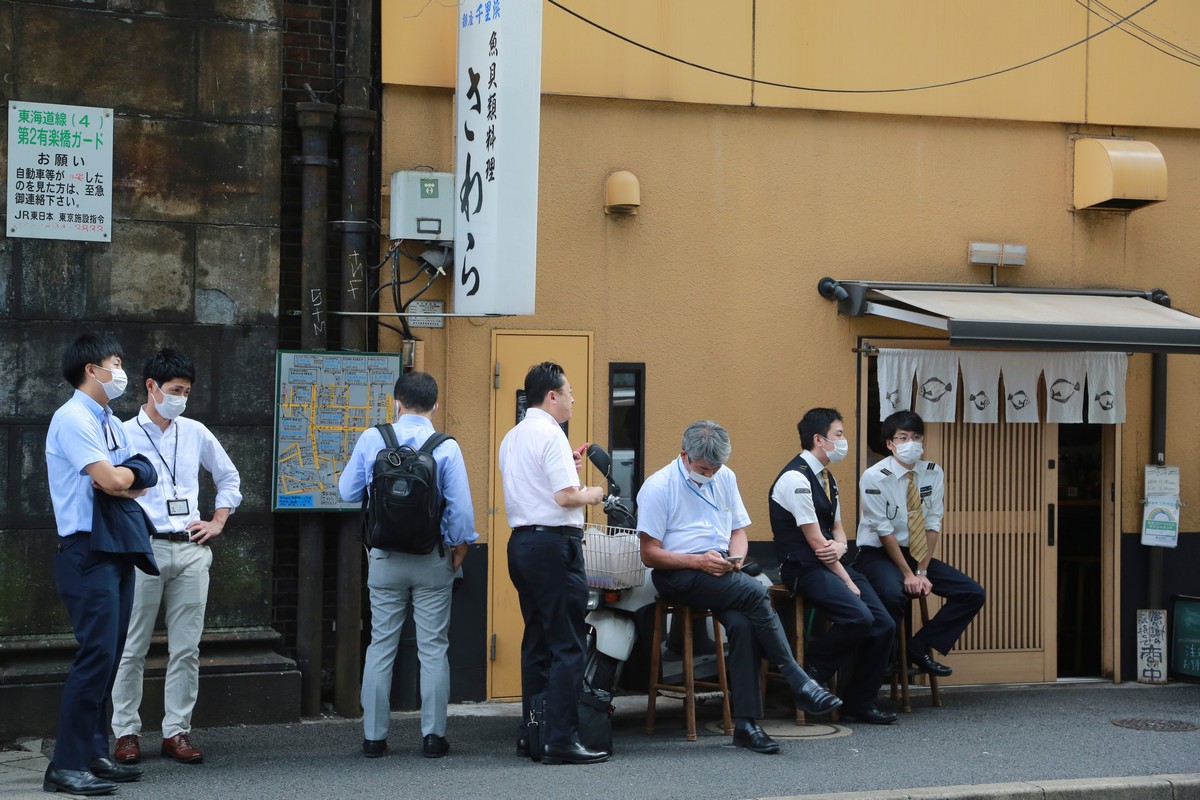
{"points": [[1151, 787]]}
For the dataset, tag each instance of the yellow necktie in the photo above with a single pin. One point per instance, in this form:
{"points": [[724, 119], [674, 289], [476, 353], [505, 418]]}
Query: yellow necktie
{"points": [[917, 546], [825, 480]]}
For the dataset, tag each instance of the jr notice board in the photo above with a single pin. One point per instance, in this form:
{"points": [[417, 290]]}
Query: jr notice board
{"points": [[323, 401]]}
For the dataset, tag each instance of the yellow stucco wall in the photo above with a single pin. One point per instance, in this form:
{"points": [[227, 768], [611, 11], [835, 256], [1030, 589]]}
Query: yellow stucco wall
{"points": [[713, 283], [1059, 61]]}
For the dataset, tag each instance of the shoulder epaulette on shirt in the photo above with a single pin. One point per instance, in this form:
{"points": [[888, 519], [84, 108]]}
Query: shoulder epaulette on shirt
{"points": [[931, 465], [886, 471]]}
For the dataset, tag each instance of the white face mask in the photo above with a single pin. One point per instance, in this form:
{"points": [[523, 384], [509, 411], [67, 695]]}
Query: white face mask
{"points": [[700, 479], [840, 448], [172, 405], [116, 387], [909, 452]]}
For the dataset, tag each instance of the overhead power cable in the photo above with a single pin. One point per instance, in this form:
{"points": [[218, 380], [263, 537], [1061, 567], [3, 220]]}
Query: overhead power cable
{"points": [[831, 90], [1192, 59]]}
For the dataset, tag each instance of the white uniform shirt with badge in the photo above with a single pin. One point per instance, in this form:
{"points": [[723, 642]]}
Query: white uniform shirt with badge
{"points": [[177, 454], [794, 491], [688, 518], [883, 500], [535, 463]]}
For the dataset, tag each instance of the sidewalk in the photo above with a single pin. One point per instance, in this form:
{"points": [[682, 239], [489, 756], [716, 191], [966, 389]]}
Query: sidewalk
{"points": [[1050, 742]]}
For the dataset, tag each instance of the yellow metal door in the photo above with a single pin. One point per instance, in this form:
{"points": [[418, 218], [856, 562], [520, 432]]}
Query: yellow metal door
{"points": [[513, 353], [1000, 528]]}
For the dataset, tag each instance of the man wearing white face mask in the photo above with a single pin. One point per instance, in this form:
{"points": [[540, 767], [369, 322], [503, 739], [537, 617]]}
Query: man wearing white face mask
{"points": [[692, 526], [901, 504], [806, 521], [178, 447]]}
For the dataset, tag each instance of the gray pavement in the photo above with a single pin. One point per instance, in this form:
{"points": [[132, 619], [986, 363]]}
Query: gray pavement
{"points": [[1046, 741]]}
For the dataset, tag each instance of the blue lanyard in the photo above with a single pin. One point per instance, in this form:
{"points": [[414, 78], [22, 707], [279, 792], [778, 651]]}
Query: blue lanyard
{"points": [[695, 490]]}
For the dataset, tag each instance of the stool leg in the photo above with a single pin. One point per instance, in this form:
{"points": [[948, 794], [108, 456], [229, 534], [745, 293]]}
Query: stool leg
{"points": [[660, 611], [798, 625], [933, 681], [689, 677], [723, 678], [902, 667]]}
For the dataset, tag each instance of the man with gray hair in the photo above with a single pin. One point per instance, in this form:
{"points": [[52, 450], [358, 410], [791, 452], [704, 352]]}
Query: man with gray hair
{"points": [[692, 525]]}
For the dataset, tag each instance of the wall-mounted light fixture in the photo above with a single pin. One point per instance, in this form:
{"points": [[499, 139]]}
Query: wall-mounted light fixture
{"points": [[622, 194]]}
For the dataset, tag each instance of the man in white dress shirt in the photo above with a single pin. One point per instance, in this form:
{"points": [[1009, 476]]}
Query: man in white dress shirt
{"points": [[178, 447], [544, 503]]}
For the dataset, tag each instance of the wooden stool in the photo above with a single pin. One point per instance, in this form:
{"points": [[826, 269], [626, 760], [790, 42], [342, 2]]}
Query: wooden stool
{"points": [[690, 684], [778, 595], [902, 667]]}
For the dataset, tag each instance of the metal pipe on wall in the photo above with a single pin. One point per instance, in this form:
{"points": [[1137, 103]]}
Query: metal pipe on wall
{"points": [[315, 121], [1158, 452]]}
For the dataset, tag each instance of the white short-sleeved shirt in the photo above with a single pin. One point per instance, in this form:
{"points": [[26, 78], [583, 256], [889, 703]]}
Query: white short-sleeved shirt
{"points": [[793, 492], [536, 462], [883, 500], [688, 518]]}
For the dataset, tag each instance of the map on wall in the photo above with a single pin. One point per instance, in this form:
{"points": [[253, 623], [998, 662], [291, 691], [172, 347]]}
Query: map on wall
{"points": [[323, 401]]}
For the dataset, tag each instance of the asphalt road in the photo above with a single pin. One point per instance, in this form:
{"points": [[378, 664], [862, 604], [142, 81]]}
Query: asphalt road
{"points": [[979, 736]]}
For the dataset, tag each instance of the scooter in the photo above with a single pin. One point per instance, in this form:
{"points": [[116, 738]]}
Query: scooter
{"points": [[620, 593]]}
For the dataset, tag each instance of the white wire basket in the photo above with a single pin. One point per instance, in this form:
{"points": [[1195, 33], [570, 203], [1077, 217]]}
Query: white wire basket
{"points": [[612, 557]]}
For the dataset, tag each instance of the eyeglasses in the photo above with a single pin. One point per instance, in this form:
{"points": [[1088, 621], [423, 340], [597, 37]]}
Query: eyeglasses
{"points": [[905, 437], [110, 438]]}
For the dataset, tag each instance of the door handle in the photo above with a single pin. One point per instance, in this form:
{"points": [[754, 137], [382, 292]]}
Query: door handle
{"points": [[1050, 525]]}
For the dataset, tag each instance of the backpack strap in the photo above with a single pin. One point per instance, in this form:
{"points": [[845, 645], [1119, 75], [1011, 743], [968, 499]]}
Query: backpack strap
{"points": [[433, 441], [389, 435], [430, 445]]}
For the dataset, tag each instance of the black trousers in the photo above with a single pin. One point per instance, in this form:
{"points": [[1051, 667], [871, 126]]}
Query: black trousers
{"points": [[741, 605], [547, 571], [97, 589], [963, 594], [861, 629]]}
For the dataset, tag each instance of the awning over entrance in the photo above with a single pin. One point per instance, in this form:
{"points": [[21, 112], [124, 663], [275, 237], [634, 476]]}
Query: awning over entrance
{"points": [[1027, 318]]}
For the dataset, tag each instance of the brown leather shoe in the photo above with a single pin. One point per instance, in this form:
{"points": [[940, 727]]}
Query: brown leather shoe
{"points": [[129, 750], [180, 748]]}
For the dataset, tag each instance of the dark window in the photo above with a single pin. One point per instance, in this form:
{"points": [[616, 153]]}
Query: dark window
{"points": [[627, 426]]}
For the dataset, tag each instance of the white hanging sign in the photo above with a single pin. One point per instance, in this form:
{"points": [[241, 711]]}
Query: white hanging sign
{"points": [[498, 114], [60, 172]]}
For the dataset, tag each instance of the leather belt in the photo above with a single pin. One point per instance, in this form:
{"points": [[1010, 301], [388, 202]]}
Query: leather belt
{"points": [[564, 530], [172, 537]]}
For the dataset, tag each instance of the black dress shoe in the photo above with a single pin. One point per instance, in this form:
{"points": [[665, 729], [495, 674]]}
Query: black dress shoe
{"points": [[820, 676], [110, 770], [374, 748], [868, 714], [435, 746], [925, 663], [75, 781], [815, 700], [523, 748], [574, 753], [750, 736]]}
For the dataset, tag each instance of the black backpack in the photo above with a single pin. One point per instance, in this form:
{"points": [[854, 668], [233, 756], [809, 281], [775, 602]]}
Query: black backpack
{"points": [[403, 510]]}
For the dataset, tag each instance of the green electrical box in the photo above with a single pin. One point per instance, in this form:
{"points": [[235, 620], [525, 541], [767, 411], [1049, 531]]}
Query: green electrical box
{"points": [[1185, 638]]}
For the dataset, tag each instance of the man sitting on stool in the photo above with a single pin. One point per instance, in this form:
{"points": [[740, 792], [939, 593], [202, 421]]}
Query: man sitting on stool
{"points": [[806, 520], [902, 506], [692, 525]]}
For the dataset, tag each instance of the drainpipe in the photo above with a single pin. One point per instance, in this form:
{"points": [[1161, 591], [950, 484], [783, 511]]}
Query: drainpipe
{"points": [[315, 121], [357, 122], [1158, 452]]}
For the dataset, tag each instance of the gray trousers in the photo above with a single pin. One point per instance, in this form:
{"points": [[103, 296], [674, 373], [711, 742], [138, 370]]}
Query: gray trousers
{"points": [[398, 582]]}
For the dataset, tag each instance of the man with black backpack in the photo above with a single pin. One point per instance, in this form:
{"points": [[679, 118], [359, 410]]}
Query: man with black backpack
{"points": [[419, 521]]}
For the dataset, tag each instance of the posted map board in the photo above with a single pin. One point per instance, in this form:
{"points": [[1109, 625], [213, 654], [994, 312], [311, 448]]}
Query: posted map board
{"points": [[323, 401]]}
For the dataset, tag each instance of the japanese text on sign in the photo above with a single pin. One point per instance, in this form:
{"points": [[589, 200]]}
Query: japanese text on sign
{"points": [[60, 172], [498, 98]]}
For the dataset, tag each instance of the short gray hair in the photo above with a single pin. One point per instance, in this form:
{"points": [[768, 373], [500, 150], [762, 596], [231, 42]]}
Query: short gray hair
{"points": [[705, 440]]}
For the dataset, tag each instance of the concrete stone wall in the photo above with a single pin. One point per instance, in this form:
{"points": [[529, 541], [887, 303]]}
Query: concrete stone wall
{"points": [[193, 263]]}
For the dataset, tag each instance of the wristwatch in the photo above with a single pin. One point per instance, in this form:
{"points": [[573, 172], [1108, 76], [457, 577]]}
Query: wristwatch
{"points": [[921, 572]]}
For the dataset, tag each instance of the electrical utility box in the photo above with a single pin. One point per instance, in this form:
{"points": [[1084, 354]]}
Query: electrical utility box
{"points": [[422, 205]]}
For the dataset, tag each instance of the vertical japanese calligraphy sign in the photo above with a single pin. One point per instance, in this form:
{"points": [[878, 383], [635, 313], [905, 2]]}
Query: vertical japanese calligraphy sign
{"points": [[498, 116], [60, 172]]}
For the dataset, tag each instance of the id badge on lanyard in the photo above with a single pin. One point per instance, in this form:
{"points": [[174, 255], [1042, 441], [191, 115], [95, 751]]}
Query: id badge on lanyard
{"points": [[178, 507]]}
